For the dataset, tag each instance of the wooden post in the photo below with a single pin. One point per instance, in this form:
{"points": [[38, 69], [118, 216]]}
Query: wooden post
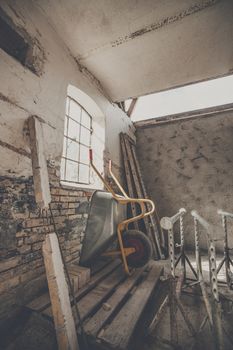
{"points": [[128, 179], [137, 189], [59, 295], [39, 165]]}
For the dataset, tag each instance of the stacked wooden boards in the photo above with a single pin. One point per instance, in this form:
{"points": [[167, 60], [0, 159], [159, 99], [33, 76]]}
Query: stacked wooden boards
{"points": [[111, 304], [136, 189]]}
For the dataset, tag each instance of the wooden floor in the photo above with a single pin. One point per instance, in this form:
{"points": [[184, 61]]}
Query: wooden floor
{"points": [[111, 304]]}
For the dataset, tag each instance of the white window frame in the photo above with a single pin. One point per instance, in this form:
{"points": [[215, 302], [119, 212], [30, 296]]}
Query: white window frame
{"points": [[67, 159]]}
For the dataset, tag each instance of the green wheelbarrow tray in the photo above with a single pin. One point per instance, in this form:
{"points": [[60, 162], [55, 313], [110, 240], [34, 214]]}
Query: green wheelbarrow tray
{"points": [[101, 230]]}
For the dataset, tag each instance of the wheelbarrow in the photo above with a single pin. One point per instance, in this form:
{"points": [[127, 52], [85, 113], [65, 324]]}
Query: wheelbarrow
{"points": [[107, 222]]}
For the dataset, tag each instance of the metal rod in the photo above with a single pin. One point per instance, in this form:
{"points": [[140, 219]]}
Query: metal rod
{"points": [[225, 213], [226, 259], [213, 308]]}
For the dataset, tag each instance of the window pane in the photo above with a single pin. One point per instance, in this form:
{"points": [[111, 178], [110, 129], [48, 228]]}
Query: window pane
{"points": [[84, 154], [76, 144], [75, 111], [86, 120], [71, 171], [84, 173], [73, 130], [72, 150], [85, 136], [66, 126], [62, 169]]}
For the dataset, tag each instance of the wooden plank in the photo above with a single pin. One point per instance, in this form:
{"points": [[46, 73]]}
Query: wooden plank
{"points": [[39, 165], [90, 302], [79, 276], [40, 303], [43, 302], [98, 278], [59, 294], [132, 106], [139, 193], [101, 317], [100, 264], [128, 179], [120, 331], [155, 220]]}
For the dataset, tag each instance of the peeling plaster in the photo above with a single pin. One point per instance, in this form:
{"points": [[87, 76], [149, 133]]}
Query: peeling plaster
{"points": [[15, 149], [36, 56], [152, 27], [91, 78]]}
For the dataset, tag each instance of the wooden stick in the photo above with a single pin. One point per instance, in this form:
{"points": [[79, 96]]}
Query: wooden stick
{"points": [[128, 178], [59, 294]]}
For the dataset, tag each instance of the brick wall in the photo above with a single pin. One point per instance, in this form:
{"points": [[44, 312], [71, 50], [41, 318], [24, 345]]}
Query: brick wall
{"points": [[22, 231]]}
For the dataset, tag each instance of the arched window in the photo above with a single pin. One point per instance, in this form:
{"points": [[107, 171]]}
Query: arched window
{"points": [[84, 129]]}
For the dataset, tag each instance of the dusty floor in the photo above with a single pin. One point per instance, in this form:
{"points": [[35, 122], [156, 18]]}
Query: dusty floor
{"points": [[34, 332]]}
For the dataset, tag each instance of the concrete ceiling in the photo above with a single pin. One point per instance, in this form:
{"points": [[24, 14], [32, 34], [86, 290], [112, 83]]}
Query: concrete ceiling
{"points": [[135, 47]]}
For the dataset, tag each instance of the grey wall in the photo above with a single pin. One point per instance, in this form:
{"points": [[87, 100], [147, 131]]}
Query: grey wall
{"points": [[189, 164]]}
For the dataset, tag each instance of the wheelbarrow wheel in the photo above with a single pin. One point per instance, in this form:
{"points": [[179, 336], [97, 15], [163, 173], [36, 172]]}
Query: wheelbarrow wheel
{"points": [[141, 243]]}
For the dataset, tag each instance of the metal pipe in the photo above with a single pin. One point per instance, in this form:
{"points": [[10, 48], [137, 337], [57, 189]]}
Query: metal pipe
{"points": [[202, 221], [177, 216], [168, 222], [215, 311], [115, 180], [226, 258], [225, 213]]}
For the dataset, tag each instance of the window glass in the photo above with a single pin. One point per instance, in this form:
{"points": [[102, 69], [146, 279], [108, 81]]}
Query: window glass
{"points": [[71, 171], [73, 129], [75, 164], [83, 172], [72, 150], [85, 136], [86, 120], [74, 111], [84, 154]]}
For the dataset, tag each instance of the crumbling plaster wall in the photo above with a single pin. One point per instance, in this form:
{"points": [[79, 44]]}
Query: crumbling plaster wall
{"points": [[189, 163], [23, 93]]}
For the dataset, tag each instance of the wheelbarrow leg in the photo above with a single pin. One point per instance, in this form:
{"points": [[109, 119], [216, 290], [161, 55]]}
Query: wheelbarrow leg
{"points": [[119, 234]]}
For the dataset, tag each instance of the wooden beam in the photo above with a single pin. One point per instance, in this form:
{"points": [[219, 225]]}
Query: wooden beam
{"points": [[139, 193], [100, 276], [93, 300], [132, 106], [101, 317], [39, 165], [128, 176], [59, 294]]}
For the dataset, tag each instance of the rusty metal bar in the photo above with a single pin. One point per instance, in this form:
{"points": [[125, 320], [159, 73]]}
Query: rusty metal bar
{"points": [[131, 107]]}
